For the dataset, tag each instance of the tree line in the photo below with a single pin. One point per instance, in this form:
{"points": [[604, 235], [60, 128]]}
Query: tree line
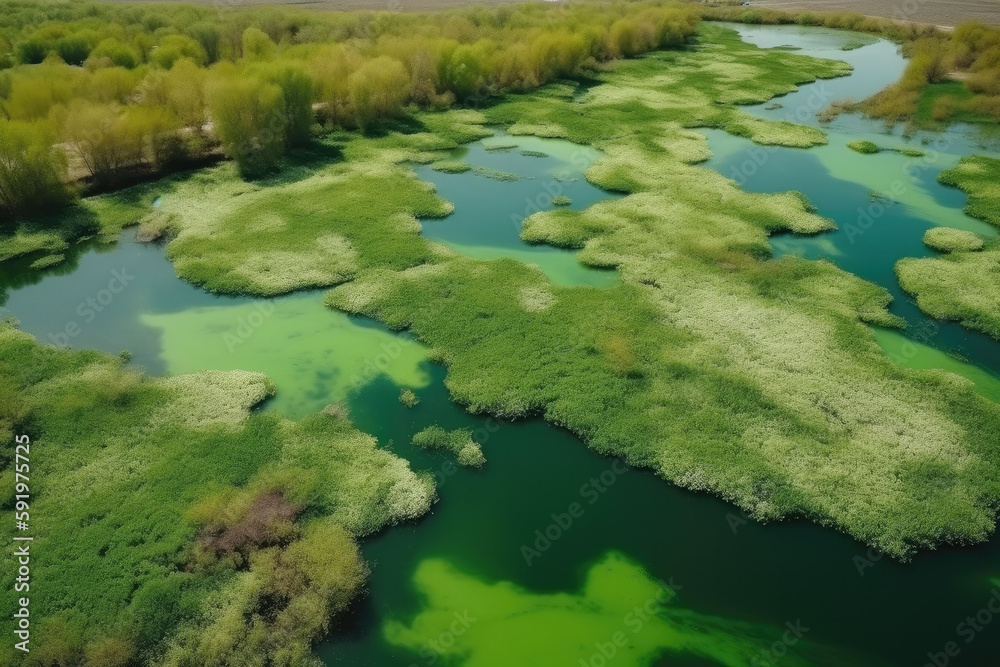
{"points": [[95, 92]]}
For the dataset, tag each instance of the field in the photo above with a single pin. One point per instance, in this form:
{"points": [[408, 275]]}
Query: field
{"points": [[945, 13]]}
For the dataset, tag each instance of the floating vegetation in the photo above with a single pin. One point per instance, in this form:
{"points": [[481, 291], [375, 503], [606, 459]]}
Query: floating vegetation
{"points": [[773, 106], [408, 398], [534, 154], [451, 167], [496, 175], [910, 152], [561, 200], [174, 514], [864, 147], [947, 239], [459, 442]]}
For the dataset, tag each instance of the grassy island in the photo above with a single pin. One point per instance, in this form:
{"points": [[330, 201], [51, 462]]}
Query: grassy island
{"points": [[965, 284]]}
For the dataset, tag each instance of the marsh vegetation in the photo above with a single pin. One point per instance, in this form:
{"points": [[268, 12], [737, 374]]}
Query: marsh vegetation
{"points": [[964, 285], [180, 528], [709, 362]]}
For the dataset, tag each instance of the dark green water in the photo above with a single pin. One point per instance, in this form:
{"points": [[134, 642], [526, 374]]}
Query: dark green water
{"points": [[738, 584]]}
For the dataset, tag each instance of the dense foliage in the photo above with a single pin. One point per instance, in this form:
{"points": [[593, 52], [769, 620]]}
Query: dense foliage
{"points": [[173, 527], [133, 89]]}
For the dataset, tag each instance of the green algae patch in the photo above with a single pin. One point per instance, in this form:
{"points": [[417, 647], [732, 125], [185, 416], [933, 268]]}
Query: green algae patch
{"points": [[619, 616], [173, 514], [863, 147], [303, 347], [459, 442], [948, 239], [913, 354], [561, 200], [964, 285]]}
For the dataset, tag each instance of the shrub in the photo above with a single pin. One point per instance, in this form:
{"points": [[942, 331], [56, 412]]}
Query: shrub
{"points": [[378, 90], [32, 169], [249, 120]]}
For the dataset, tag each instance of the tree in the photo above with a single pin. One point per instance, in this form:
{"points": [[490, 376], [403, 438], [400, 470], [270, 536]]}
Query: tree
{"points": [[379, 89], [32, 170], [174, 47], [257, 45], [120, 54], [104, 138], [298, 91], [249, 120]]}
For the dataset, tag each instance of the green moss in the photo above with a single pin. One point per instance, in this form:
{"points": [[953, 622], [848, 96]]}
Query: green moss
{"points": [[534, 154], [910, 152], [864, 147], [459, 442], [140, 471], [947, 239], [561, 200]]}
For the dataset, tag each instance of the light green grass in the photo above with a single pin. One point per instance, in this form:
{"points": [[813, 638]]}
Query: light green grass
{"points": [[137, 471]]}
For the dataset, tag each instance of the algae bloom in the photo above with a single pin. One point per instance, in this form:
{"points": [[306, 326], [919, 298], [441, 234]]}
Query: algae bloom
{"points": [[620, 616]]}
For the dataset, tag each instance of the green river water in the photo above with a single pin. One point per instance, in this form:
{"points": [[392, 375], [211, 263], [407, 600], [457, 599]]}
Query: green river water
{"points": [[552, 555]]}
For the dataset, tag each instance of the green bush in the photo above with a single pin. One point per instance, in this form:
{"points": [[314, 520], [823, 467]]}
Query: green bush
{"points": [[249, 119], [32, 170]]}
